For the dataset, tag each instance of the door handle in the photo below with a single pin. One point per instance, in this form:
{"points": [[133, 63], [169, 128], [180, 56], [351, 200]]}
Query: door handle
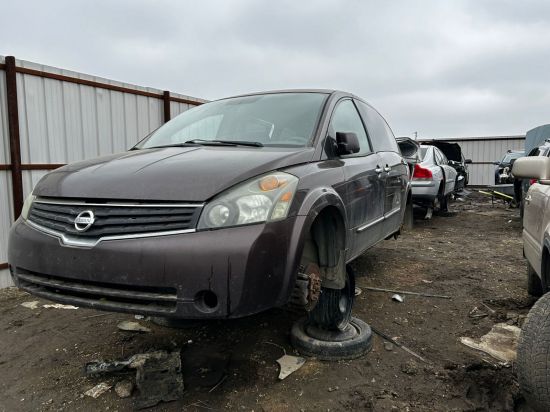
{"points": [[378, 169], [387, 169], [527, 199]]}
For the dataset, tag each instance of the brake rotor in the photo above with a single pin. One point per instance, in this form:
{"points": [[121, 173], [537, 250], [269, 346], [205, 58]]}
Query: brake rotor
{"points": [[312, 272]]}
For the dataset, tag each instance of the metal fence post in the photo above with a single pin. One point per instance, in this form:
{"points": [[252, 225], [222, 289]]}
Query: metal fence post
{"points": [[15, 143], [166, 100]]}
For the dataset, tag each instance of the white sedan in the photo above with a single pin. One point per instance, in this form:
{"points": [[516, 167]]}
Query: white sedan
{"points": [[433, 180]]}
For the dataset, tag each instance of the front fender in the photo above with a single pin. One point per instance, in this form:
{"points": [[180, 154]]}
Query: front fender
{"points": [[320, 198], [313, 203]]}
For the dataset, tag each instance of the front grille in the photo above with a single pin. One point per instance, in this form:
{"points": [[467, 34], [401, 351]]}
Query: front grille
{"points": [[114, 219], [116, 297]]}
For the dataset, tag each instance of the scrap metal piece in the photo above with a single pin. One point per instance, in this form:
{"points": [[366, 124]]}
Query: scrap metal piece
{"points": [[158, 375], [98, 390], [59, 306], [501, 342], [130, 326], [397, 298], [159, 379], [289, 364], [31, 305]]}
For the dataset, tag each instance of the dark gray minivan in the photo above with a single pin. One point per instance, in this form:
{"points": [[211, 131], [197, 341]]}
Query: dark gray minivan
{"points": [[233, 207]]}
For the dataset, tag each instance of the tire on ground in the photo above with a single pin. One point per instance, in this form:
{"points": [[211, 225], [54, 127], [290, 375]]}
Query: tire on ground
{"points": [[333, 310], [332, 350], [533, 362]]}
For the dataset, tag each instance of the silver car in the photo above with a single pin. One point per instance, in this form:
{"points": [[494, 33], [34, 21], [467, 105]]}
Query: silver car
{"points": [[433, 180]]}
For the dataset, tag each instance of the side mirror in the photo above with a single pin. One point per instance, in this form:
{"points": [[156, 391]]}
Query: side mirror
{"points": [[468, 161], [347, 143], [535, 167]]}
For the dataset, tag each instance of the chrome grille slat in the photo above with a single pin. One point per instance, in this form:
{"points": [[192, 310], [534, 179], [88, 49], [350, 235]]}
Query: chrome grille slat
{"points": [[114, 219]]}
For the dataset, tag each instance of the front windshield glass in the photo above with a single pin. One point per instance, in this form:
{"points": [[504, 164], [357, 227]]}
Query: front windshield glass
{"points": [[511, 156], [278, 119]]}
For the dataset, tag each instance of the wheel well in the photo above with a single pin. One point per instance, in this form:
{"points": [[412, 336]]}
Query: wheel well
{"points": [[545, 269], [442, 184], [327, 240]]}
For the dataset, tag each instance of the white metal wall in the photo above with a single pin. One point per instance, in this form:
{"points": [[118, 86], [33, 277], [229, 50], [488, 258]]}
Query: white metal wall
{"points": [[63, 122], [484, 151]]}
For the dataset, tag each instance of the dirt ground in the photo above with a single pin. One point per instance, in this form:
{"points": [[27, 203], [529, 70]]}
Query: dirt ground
{"points": [[474, 256]]}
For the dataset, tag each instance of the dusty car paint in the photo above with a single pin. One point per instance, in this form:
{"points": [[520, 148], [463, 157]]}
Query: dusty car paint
{"points": [[210, 273]]}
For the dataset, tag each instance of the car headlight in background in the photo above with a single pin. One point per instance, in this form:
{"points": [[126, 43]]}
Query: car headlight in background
{"points": [[262, 199], [27, 206]]}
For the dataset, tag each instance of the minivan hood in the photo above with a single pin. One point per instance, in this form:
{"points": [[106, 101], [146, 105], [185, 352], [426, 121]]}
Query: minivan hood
{"points": [[194, 173]]}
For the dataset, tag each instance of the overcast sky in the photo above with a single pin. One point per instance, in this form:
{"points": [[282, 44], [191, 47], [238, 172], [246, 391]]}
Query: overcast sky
{"points": [[442, 68]]}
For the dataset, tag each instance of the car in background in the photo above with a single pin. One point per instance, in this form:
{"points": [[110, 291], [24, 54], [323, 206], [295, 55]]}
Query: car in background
{"points": [[521, 186], [433, 180], [503, 170], [533, 362], [453, 153]]}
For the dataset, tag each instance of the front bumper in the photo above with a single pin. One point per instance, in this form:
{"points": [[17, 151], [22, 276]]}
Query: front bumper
{"points": [[230, 272]]}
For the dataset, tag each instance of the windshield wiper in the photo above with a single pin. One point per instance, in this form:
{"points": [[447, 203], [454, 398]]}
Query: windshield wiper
{"points": [[186, 144], [226, 142]]}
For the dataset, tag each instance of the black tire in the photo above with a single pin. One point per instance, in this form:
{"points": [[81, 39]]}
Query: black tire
{"points": [[358, 345], [534, 284], [333, 310], [533, 362]]}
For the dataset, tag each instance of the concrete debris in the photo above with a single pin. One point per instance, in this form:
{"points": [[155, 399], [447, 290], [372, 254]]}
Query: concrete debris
{"points": [[501, 342], [158, 376], [59, 306], [397, 298], [388, 346], [289, 364], [124, 388], [31, 305], [477, 313], [410, 368], [130, 326], [98, 390], [358, 291]]}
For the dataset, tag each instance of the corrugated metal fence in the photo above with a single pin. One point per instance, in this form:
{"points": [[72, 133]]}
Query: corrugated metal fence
{"points": [[50, 117], [484, 151]]}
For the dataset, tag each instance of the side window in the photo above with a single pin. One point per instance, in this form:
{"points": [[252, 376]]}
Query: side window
{"points": [[346, 119], [440, 158], [381, 136]]}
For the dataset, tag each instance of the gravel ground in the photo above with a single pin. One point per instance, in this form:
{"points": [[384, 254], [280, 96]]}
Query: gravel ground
{"points": [[473, 255]]}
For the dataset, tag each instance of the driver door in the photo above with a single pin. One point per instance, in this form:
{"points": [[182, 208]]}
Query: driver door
{"points": [[364, 181]]}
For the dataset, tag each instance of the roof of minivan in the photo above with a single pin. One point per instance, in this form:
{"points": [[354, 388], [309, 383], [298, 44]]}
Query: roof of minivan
{"points": [[324, 91]]}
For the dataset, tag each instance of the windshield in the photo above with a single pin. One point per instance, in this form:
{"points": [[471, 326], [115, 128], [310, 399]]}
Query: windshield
{"points": [[511, 156], [278, 119]]}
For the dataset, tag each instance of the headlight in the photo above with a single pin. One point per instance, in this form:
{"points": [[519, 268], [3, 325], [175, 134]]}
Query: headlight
{"points": [[27, 206], [261, 199]]}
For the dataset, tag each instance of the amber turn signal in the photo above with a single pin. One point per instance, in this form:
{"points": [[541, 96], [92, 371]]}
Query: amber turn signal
{"points": [[269, 183]]}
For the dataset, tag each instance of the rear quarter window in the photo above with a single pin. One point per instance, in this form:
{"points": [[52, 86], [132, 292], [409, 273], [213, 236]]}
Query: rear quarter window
{"points": [[380, 134]]}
